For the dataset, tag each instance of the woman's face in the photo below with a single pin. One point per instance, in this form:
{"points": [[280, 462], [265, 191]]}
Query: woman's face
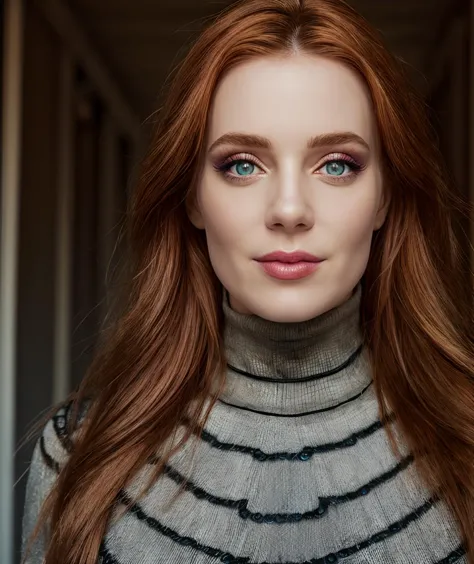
{"points": [[291, 164]]}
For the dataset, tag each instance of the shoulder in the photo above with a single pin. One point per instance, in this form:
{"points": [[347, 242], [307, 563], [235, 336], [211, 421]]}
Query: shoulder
{"points": [[55, 444], [56, 441], [52, 450]]}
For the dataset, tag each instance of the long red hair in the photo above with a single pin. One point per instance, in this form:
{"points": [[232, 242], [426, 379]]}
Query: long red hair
{"points": [[163, 356]]}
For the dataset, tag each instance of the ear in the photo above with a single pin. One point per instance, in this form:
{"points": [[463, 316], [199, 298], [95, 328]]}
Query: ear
{"points": [[193, 211], [382, 211]]}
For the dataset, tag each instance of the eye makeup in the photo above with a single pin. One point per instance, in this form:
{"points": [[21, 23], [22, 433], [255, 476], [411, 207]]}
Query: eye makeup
{"points": [[224, 165], [355, 167]]}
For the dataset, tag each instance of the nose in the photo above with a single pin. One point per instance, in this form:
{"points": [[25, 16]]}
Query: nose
{"points": [[289, 208]]}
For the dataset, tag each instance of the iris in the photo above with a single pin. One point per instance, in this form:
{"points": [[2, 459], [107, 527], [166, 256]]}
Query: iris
{"points": [[243, 168], [335, 168]]}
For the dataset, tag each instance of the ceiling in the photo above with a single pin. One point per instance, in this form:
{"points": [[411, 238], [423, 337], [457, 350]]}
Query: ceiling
{"points": [[141, 41]]}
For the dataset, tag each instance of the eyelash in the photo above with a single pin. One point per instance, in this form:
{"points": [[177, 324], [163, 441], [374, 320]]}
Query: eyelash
{"points": [[224, 166]]}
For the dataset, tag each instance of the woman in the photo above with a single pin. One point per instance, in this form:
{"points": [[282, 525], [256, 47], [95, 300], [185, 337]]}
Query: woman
{"points": [[292, 377]]}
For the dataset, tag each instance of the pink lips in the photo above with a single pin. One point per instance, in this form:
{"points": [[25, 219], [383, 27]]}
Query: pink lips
{"points": [[289, 266]]}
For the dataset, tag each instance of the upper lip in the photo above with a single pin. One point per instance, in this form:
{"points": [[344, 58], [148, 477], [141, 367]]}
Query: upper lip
{"points": [[295, 256]]}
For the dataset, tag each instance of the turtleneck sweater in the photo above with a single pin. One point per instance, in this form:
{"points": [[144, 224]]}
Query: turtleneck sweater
{"points": [[293, 466]]}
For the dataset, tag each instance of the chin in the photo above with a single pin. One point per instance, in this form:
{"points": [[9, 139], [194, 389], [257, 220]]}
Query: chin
{"points": [[289, 314], [289, 305], [293, 307]]}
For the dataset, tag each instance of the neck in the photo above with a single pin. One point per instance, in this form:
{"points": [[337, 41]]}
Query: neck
{"points": [[295, 368]]}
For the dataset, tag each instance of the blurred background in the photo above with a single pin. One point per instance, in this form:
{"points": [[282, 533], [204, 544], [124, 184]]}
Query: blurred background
{"points": [[79, 80]]}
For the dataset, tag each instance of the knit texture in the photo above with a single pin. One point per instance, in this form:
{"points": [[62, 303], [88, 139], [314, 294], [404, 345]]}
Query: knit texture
{"points": [[293, 467]]}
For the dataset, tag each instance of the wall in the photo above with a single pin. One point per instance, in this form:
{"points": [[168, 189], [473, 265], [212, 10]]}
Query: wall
{"points": [[37, 234], [71, 141], [450, 101]]}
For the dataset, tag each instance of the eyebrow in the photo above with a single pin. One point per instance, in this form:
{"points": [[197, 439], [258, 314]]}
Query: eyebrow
{"points": [[257, 141]]}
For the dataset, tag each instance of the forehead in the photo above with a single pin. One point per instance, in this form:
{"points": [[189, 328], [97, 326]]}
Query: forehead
{"points": [[290, 99]]}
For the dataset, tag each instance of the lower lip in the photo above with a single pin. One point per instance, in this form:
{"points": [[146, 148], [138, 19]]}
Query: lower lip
{"points": [[289, 271]]}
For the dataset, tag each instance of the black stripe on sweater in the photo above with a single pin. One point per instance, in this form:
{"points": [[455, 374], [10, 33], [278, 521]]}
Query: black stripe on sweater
{"points": [[241, 505], [301, 414], [305, 453], [48, 459], [317, 376], [60, 427], [60, 421], [451, 558], [228, 558]]}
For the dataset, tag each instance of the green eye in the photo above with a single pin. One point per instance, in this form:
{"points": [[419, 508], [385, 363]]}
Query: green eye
{"points": [[244, 168], [335, 168]]}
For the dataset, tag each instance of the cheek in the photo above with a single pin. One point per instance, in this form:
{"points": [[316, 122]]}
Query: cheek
{"points": [[354, 223], [351, 239], [227, 217], [225, 228], [222, 229]]}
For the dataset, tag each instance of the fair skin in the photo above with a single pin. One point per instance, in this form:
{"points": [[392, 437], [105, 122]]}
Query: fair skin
{"points": [[325, 199]]}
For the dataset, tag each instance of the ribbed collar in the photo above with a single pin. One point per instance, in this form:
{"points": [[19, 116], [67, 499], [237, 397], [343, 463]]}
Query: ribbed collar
{"points": [[295, 368]]}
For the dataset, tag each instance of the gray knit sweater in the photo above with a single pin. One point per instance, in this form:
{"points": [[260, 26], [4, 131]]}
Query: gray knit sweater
{"points": [[293, 467]]}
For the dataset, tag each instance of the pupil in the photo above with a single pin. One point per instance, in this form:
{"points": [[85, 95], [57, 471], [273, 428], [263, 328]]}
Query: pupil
{"points": [[244, 168]]}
